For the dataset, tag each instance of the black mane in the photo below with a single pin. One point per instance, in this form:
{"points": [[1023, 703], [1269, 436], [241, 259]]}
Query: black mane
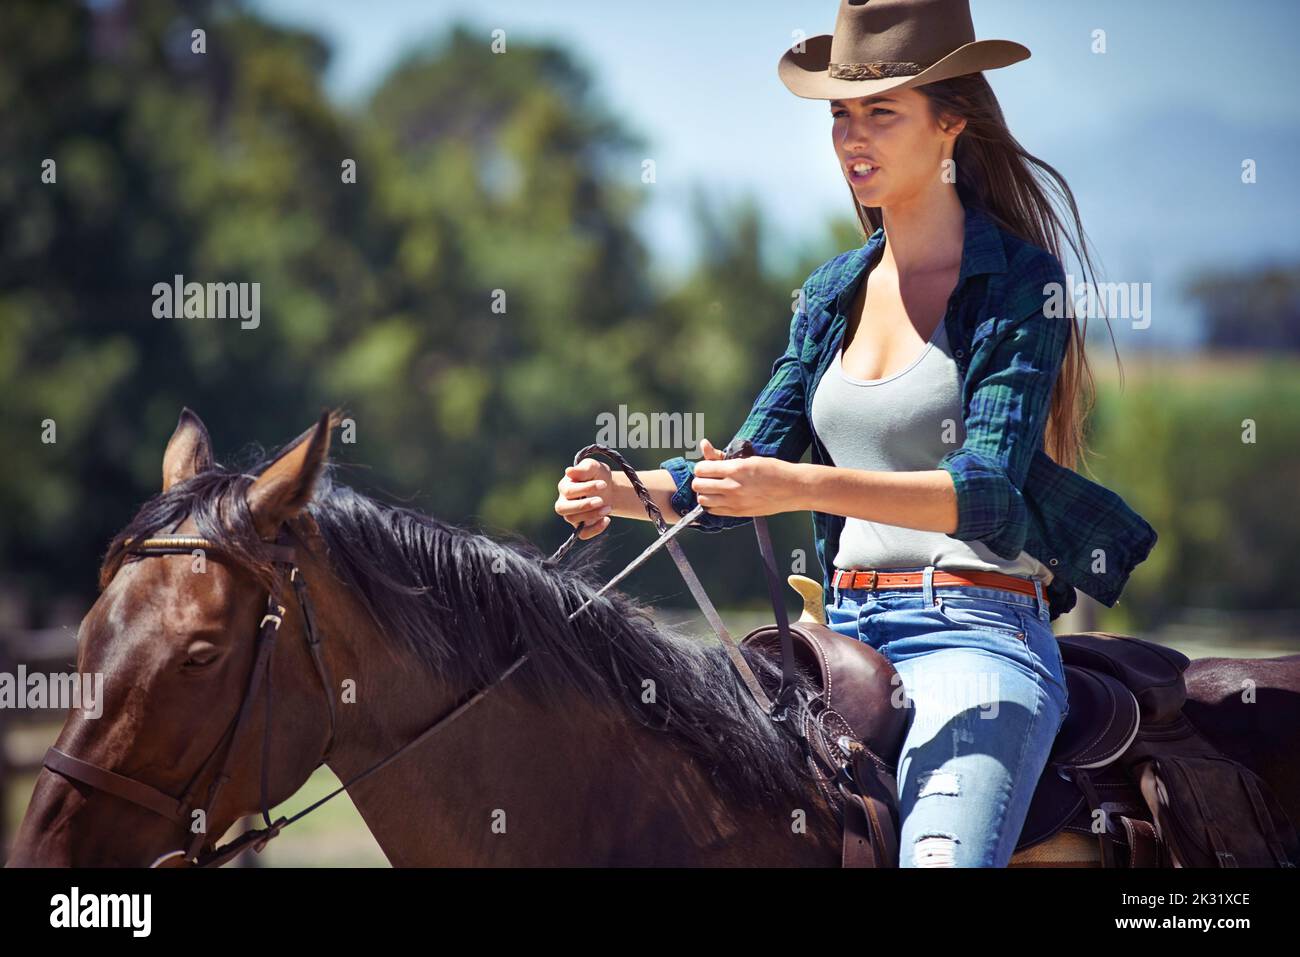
{"points": [[464, 605]]}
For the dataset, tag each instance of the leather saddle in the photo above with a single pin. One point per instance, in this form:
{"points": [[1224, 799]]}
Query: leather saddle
{"points": [[855, 726]]}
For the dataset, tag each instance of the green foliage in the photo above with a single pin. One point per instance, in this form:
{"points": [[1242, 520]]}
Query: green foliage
{"points": [[474, 300], [1210, 455]]}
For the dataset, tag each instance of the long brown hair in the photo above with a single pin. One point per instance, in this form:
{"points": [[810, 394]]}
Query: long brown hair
{"points": [[996, 174]]}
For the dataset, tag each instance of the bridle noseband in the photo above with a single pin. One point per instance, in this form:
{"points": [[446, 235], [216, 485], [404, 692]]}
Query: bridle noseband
{"points": [[283, 554]]}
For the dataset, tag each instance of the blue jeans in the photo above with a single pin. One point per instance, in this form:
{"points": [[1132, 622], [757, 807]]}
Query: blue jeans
{"points": [[982, 676]]}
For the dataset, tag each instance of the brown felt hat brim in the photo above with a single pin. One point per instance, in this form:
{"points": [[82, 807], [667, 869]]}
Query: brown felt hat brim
{"points": [[804, 74]]}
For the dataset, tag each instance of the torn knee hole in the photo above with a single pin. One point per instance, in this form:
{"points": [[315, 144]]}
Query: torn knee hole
{"points": [[939, 782], [934, 850]]}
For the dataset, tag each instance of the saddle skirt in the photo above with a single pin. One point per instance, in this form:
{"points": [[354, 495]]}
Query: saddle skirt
{"points": [[858, 692]]}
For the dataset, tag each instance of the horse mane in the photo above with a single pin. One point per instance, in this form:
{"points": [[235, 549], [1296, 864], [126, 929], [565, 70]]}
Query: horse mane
{"points": [[464, 605]]}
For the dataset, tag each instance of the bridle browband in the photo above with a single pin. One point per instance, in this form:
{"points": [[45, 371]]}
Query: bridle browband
{"points": [[282, 553]]}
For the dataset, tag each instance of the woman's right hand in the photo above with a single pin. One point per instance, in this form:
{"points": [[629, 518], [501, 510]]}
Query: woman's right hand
{"points": [[584, 496]]}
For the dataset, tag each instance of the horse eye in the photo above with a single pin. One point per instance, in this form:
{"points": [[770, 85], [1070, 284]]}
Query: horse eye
{"points": [[201, 654]]}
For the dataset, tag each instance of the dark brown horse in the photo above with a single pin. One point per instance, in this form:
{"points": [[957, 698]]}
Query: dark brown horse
{"points": [[615, 743]]}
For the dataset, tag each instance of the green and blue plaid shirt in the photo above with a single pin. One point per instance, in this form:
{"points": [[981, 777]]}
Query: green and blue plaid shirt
{"points": [[1010, 495]]}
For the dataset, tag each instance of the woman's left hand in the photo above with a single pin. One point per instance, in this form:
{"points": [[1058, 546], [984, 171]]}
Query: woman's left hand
{"points": [[755, 486]]}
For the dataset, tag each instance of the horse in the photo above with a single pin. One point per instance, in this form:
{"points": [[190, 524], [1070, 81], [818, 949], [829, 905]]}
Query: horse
{"points": [[607, 740]]}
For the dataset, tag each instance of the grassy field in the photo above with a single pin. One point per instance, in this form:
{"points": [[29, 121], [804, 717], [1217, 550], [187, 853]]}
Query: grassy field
{"points": [[1201, 367]]}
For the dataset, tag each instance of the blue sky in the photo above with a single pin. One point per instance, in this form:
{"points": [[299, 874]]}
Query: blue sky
{"points": [[1150, 135]]}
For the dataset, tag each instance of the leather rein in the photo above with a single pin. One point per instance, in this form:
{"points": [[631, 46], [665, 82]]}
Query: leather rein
{"points": [[284, 555], [779, 709], [182, 808]]}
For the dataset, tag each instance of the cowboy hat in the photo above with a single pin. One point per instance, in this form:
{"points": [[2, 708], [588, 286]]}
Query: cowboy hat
{"points": [[881, 45]]}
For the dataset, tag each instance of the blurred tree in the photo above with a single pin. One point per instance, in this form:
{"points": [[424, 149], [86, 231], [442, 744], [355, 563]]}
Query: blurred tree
{"points": [[475, 297], [1255, 309], [1211, 458]]}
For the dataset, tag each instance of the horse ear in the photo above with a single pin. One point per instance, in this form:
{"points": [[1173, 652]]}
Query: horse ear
{"points": [[189, 450], [286, 486]]}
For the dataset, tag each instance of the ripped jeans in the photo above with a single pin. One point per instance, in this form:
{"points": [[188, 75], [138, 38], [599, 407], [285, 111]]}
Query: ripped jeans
{"points": [[982, 677]]}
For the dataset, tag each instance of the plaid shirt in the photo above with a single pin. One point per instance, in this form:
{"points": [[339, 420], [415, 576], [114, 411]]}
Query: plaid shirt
{"points": [[1010, 495]]}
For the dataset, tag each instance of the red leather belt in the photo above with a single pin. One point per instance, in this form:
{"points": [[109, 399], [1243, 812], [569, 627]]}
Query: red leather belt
{"points": [[874, 579]]}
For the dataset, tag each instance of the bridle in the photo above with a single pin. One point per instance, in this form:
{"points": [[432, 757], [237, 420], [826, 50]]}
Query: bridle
{"points": [[283, 554], [181, 809]]}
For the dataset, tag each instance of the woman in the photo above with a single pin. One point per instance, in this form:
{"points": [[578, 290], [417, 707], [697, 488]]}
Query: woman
{"points": [[935, 372]]}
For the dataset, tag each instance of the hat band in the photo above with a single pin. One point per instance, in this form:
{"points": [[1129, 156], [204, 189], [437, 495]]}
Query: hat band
{"points": [[873, 71]]}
